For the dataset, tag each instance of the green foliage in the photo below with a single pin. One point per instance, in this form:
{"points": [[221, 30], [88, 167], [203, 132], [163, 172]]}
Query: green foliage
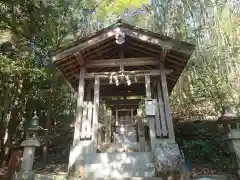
{"points": [[117, 7], [204, 146]]}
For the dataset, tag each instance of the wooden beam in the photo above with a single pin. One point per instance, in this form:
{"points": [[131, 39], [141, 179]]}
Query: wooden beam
{"points": [[121, 61], [123, 102], [123, 106], [106, 81], [164, 41], [66, 62], [79, 58], [142, 51], [80, 99], [84, 45], [134, 73], [147, 50], [160, 41], [95, 56], [102, 48], [163, 56], [121, 94]]}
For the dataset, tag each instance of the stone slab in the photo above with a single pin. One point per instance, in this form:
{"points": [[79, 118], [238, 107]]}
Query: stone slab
{"points": [[30, 143]]}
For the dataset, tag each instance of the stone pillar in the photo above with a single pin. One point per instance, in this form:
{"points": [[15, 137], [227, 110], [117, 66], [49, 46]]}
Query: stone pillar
{"points": [[28, 159], [231, 124], [79, 147], [28, 154], [29, 145], [234, 145]]}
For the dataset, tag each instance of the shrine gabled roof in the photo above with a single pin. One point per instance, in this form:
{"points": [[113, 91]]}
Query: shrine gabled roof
{"points": [[139, 43]]}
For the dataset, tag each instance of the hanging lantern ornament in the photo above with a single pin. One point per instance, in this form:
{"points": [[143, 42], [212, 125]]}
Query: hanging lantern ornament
{"points": [[111, 80], [116, 80], [128, 80], [135, 78], [120, 36]]}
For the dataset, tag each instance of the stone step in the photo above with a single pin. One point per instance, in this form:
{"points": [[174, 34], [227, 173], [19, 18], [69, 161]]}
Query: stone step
{"points": [[120, 147], [119, 157], [119, 170]]}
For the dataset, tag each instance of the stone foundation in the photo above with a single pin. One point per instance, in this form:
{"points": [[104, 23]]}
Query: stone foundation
{"points": [[207, 177]]}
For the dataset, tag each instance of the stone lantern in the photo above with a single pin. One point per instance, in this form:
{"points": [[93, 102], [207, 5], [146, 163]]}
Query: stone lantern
{"points": [[29, 145], [231, 123]]}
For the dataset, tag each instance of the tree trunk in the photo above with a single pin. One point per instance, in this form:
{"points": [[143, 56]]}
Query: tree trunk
{"points": [[12, 122], [47, 127], [11, 128], [1, 141]]}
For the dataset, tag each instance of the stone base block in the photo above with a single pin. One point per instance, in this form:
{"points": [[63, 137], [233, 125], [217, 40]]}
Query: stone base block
{"points": [[238, 173], [79, 149], [51, 177], [25, 175]]}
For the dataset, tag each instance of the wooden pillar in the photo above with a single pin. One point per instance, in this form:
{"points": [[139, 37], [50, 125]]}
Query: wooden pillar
{"points": [[89, 91], [157, 115], [141, 133], [151, 122], [132, 116], [161, 110], [116, 118], [96, 110], [80, 98], [167, 104], [148, 87]]}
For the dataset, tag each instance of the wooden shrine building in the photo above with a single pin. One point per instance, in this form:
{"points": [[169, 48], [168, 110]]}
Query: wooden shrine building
{"points": [[120, 66]]}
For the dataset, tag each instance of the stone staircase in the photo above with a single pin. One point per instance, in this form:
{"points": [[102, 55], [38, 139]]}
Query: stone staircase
{"points": [[136, 165], [119, 165], [122, 166]]}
